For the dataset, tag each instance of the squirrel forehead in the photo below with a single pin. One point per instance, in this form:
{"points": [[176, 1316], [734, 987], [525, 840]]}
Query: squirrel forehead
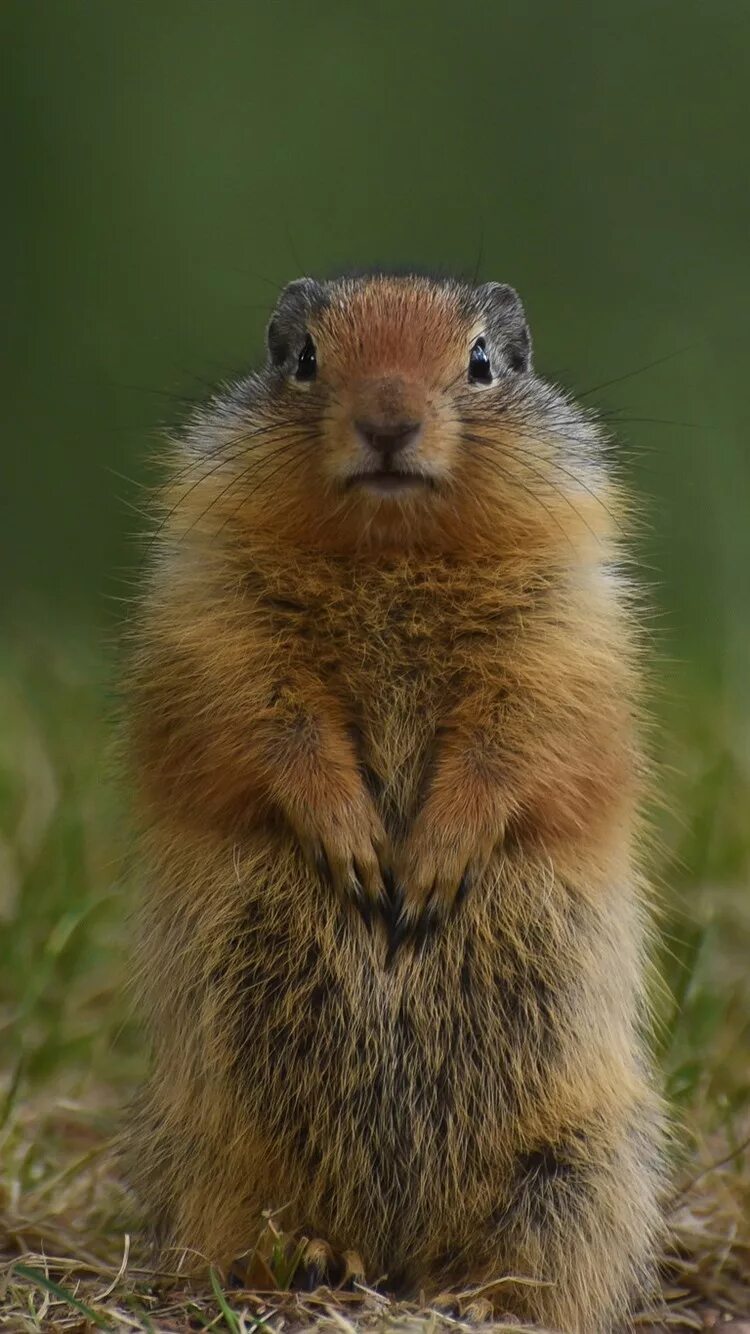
{"points": [[405, 324]]}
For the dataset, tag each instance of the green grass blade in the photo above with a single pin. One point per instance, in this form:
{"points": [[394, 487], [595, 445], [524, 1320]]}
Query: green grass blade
{"points": [[41, 1280], [229, 1315]]}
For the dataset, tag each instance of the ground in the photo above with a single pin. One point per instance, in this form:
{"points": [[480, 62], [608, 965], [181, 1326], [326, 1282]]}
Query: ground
{"points": [[71, 1253]]}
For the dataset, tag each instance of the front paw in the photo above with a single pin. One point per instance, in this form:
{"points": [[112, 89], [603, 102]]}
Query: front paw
{"points": [[347, 846], [434, 871]]}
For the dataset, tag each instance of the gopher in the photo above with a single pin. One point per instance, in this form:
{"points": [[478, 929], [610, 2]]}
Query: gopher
{"points": [[384, 714]]}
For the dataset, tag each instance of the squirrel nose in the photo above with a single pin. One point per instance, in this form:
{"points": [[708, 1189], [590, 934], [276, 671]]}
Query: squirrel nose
{"points": [[387, 438]]}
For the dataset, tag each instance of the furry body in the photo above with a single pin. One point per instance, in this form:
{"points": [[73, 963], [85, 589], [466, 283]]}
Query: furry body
{"points": [[388, 776]]}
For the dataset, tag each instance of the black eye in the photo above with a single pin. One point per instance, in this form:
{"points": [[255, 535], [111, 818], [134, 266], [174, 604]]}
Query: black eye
{"points": [[306, 364], [479, 363]]}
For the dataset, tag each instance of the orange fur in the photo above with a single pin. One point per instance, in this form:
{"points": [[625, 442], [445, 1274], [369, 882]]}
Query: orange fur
{"points": [[387, 772]]}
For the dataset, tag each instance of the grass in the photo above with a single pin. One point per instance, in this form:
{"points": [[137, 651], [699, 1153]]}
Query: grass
{"points": [[71, 1257]]}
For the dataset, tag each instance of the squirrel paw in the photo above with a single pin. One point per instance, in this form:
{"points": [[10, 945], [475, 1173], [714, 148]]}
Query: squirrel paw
{"points": [[435, 870], [320, 1266], [347, 849], [470, 1310]]}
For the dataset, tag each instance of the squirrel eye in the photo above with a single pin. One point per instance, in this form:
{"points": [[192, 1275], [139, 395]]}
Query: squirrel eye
{"points": [[306, 363], [480, 369]]}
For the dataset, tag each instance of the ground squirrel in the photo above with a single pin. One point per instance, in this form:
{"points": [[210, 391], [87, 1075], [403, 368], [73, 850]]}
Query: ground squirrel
{"points": [[384, 739]]}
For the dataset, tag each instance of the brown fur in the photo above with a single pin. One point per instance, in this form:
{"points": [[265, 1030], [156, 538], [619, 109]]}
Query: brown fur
{"points": [[441, 692]]}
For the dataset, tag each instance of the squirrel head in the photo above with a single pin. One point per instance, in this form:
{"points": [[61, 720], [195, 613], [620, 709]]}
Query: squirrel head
{"points": [[399, 412]]}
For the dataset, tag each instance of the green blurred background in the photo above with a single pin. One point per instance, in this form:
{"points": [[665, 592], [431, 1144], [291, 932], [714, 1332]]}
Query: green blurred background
{"points": [[170, 163]]}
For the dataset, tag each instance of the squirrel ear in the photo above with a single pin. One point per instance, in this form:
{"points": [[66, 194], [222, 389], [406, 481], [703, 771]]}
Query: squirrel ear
{"points": [[507, 323], [293, 309]]}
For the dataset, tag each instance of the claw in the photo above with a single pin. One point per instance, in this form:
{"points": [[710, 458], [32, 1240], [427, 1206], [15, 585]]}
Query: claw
{"points": [[464, 886], [360, 899], [316, 1267], [389, 883], [400, 930], [353, 1270], [311, 1278], [393, 906], [237, 1276], [397, 923], [322, 866], [424, 928]]}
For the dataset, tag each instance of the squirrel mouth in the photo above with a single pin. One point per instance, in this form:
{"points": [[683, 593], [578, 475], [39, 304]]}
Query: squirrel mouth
{"points": [[389, 481]]}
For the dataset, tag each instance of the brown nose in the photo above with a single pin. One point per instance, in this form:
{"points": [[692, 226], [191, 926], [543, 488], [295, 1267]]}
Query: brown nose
{"points": [[387, 438]]}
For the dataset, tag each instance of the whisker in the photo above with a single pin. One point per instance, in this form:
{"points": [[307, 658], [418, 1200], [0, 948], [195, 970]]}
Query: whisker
{"points": [[259, 277], [558, 490], [512, 413], [553, 463], [641, 370], [613, 415], [184, 400], [249, 433], [301, 268], [244, 472], [233, 445], [181, 500], [578, 481], [491, 460], [480, 256], [216, 465], [298, 455]]}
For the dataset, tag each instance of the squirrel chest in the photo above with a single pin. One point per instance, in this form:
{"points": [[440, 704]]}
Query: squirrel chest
{"points": [[397, 644]]}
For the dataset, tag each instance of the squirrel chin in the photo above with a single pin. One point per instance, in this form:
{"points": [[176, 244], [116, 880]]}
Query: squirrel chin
{"points": [[390, 483]]}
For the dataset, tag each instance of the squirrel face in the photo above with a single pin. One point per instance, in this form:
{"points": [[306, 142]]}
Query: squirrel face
{"points": [[397, 363], [397, 411]]}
